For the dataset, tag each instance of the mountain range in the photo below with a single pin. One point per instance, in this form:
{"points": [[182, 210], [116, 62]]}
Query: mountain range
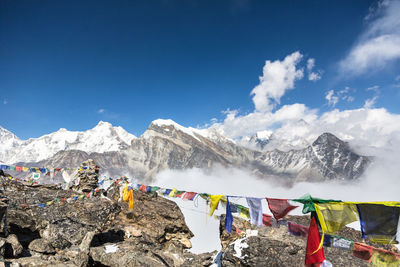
{"points": [[168, 145]]}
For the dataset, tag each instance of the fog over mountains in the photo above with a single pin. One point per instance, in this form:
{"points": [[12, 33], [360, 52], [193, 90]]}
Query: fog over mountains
{"points": [[168, 145]]}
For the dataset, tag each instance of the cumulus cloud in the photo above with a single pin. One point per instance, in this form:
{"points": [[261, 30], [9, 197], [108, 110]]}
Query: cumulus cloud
{"points": [[332, 100], [379, 44], [278, 77], [101, 111], [333, 97], [312, 76]]}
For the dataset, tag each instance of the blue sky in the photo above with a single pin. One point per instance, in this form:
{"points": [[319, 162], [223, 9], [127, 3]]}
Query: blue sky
{"points": [[69, 64]]}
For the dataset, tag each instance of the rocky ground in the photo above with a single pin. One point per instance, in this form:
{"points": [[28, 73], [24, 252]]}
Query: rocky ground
{"points": [[102, 231]]}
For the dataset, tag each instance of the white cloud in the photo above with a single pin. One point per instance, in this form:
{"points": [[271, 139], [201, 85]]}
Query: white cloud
{"points": [[397, 78], [378, 45], [278, 77], [5, 102], [374, 88], [101, 111], [332, 100], [310, 64], [370, 102], [312, 76]]}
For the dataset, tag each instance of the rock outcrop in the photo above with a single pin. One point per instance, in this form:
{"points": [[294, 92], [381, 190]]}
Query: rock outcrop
{"points": [[44, 229]]}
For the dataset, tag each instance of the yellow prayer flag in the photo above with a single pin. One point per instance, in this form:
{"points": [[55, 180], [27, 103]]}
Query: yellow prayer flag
{"points": [[25, 169], [214, 203], [333, 216], [244, 213], [172, 193]]}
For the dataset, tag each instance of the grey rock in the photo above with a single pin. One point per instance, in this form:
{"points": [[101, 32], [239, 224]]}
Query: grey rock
{"points": [[41, 246]]}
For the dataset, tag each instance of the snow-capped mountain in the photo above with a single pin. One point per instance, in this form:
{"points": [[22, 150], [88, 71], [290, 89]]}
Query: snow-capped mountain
{"points": [[102, 138], [168, 145]]}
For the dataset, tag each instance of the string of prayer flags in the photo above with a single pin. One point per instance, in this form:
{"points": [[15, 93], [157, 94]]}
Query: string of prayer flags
{"points": [[279, 207], [314, 252], [334, 216], [308, 202], [214, 203], [255, 207], [228, 217], [297, 229], [379, 222]]}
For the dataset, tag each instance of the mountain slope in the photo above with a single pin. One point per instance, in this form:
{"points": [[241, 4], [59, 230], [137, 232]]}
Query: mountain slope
{"points": [[168, 145]]}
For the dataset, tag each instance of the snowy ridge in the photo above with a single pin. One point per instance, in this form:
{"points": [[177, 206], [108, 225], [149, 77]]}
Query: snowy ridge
{"points": [[102, 138]]}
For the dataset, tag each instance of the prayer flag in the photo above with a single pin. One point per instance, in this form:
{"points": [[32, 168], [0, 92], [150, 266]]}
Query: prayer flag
{"points": [[12, 168], [25, 169], [297, 229], [228, 217], [333, 216], [189, 195], [127, 196], [308, 202], [379, 222], [314, 252], [172, 193], [143, 188], [167, 191], [18, 168], [385, 258], [279, 207], [342, 243], [154, 189], [255, 206], [180, 193], [214, 202], [362, 251], [267, 220]]}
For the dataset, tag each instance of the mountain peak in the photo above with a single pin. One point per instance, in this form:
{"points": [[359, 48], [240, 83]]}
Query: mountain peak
{"points": [[328, 139], [103, 123]]}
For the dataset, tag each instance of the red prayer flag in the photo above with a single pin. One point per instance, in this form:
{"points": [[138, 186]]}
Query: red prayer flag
{"points": [[189, 195], [143, 188], [267, 220], [314, 254], [297, 229], [362, 251], [18, 168], [279, 207]]}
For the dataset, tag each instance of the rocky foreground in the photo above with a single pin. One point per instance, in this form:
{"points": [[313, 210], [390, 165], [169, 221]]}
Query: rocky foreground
{"points": [[102, 231]]}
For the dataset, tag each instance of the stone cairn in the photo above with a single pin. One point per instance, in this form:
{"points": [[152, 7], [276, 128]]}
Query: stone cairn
{"points": [[88, 176]]}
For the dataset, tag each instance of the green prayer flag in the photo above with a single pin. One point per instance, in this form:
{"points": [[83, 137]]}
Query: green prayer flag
{"points": [[308, 202], [154, 189]]}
